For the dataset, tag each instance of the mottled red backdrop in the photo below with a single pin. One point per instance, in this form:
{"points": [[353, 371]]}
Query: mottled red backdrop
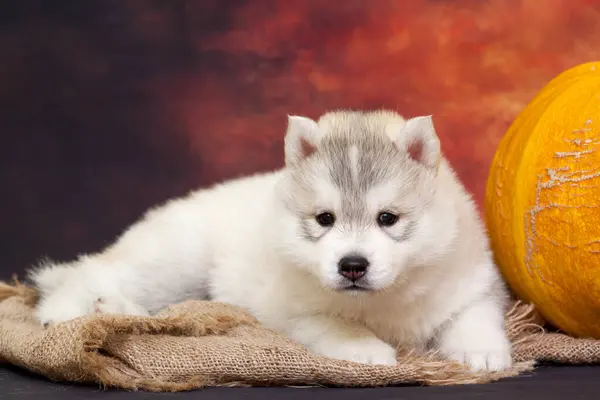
{"points": [[108, 107]]}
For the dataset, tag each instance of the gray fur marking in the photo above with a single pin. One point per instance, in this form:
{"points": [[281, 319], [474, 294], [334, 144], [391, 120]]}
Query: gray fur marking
{"points": [[376, 161], [306, 232], [408, 231]]}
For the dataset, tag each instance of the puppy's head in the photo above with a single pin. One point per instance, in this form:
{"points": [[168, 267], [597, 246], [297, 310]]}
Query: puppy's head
{"points": [[355, 192]]}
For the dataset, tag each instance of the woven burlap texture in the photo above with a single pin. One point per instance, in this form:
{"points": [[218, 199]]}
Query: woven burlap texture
{"points": [[199, 344]]}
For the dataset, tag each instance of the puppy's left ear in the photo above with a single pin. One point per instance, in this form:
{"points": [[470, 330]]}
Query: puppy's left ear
{"points": [[419, 139], [301, 139]]}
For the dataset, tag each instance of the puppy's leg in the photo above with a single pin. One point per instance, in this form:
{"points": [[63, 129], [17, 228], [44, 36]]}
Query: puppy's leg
{"points": [[160, 260], [476, 337], [336, 338], [85, 291]]}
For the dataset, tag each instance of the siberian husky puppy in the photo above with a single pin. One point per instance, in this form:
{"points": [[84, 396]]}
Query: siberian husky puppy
{"points": [[364, 241]]}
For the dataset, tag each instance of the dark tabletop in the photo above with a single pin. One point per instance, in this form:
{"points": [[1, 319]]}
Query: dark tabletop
{"points": [[547, 382]]}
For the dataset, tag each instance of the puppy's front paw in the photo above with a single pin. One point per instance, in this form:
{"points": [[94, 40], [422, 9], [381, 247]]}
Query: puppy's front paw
{"points": [[491, 353], [365, 350]]}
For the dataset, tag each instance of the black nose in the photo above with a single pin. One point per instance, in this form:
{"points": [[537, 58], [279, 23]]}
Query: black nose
{"points": [[353, 267]]}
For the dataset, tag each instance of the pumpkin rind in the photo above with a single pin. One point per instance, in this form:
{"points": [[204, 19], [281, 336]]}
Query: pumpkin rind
{"points": [[542, 204]]}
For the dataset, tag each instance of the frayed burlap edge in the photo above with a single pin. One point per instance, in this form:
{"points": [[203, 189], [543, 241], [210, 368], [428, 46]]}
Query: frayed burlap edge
{"points": [[16, 288], [95, 366]]}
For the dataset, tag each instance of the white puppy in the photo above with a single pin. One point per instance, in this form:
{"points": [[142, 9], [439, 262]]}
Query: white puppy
{"points": [[365, 241]]}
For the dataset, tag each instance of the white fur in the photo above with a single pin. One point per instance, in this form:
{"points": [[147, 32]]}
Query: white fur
{"points": [[237, 243]]}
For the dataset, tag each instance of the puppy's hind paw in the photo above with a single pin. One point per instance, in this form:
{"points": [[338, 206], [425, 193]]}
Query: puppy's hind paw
{"points": [[110, 305], [100, 306], [62, 307]]}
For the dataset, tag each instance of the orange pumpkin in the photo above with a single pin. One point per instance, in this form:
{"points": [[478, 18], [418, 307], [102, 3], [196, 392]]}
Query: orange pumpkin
{"points": [[542, 204]]}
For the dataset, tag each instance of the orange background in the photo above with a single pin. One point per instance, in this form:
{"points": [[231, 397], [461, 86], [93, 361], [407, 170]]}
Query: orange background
{"points": [[109, 107]]}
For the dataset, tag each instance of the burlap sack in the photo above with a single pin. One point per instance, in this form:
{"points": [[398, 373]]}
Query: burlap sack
{"points": [[198, 344]]}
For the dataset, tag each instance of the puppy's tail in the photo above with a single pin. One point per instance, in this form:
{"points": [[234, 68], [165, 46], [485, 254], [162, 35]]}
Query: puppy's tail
{"points": [[48, 275]]}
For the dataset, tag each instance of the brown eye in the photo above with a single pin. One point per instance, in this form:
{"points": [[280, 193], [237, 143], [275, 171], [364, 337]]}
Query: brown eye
{"points": [[386, 219], [325, 219]]}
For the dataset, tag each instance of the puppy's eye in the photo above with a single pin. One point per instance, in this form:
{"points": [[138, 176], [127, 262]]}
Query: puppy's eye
{"points": [[386, 219], [325, 219]]}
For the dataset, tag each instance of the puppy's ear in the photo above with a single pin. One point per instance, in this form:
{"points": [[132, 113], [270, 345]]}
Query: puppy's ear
{"points": [[419, 140], [300, 139]]}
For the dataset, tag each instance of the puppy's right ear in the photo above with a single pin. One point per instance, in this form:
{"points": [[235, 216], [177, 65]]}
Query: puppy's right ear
{"points": [[300, 139]]}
